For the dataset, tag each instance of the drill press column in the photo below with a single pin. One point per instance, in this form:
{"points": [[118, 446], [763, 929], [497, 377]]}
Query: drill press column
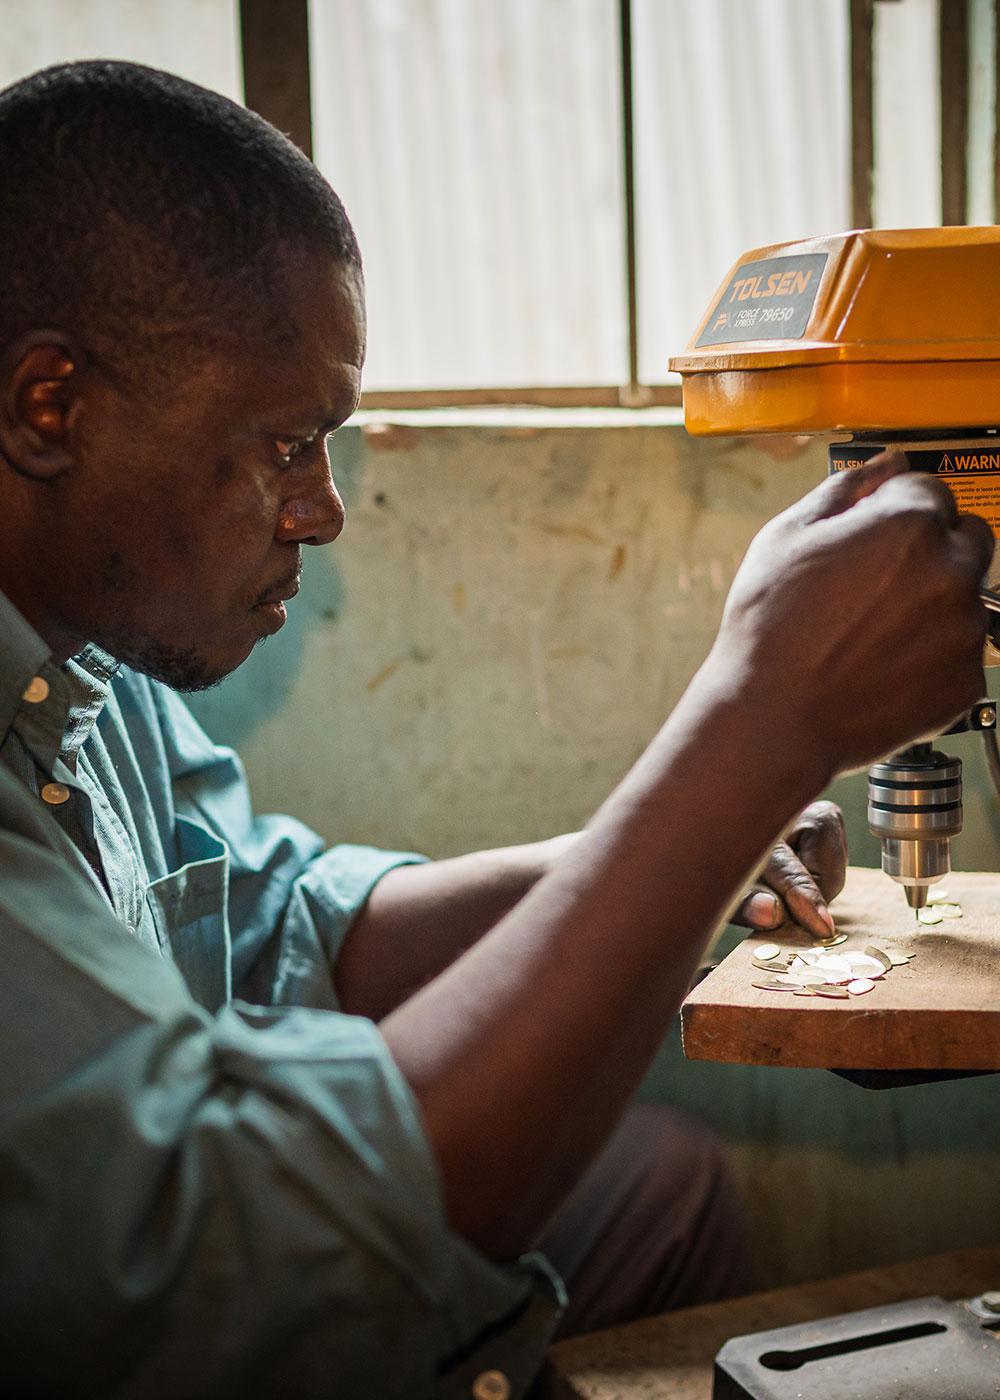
{"points": [[915, 808]]}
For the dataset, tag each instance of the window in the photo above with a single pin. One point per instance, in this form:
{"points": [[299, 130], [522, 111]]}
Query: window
{"points": [[198, 39], [478, 145], [548, 192], [742, 139]]}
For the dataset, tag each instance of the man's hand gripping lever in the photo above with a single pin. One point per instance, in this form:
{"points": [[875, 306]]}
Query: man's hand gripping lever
{"points": [[877, 572]]}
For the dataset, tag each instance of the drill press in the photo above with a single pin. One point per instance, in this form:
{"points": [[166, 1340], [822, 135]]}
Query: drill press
{"points": [[888, 337], [879, 339]]}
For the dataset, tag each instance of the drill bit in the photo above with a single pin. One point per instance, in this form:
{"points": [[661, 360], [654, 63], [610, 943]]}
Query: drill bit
{"points": [[916, 898]]}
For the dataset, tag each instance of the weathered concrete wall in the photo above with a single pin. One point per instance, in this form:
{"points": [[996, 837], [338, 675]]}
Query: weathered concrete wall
{"points": [[511, 612]]}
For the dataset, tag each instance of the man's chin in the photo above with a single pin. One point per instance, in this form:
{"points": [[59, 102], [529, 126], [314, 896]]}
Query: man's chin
{"points": [[181, 668]]}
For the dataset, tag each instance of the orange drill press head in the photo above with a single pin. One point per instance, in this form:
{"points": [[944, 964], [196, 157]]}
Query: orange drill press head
{"points": [[887, 338], [877, 331]]}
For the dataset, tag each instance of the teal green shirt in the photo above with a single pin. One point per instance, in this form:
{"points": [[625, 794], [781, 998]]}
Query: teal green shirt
{"points": [[212, 1182]]}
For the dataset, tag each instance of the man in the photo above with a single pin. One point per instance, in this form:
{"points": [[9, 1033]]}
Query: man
{"points": [[206, 1199]]}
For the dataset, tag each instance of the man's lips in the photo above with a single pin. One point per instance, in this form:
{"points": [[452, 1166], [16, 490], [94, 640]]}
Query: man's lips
{"points": [[281, 592]]}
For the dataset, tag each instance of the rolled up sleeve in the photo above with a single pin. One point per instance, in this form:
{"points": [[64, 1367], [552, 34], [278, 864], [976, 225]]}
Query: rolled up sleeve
{"points": [[292, 900], [238, 1205]]}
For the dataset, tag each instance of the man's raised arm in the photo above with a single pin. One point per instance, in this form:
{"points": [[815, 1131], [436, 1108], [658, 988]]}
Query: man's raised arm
{"points": [[523, 1053]]}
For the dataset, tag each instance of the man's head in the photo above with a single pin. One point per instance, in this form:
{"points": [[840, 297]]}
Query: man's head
{"points": [[181, 322]]}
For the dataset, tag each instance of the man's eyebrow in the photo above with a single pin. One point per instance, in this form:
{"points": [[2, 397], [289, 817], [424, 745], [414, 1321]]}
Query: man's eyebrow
{"points": [[332, 414], [322, 420], [336, 420]]}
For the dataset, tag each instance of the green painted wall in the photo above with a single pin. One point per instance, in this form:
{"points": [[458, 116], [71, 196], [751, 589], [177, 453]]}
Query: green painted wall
{"points": [[513, 609]]}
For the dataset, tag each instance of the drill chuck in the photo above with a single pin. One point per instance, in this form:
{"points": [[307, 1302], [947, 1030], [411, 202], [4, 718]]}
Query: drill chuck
{"points": [[915, 808]]}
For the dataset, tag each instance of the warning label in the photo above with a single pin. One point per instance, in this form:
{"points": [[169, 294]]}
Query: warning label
{"points": [[970, 471], [968, 462], [771, 299], [977, 495]]}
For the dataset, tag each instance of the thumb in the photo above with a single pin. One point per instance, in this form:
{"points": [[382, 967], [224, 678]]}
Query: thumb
{"points": [[845, 488]]}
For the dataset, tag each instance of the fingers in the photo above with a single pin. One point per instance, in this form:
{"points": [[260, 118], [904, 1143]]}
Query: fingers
{"points": [[969, 539], [760, 908], [978, 541], [889, 475], [788, 877], [914, 491], [844, 489], [819, 840], [896, 488], [802, 874]]}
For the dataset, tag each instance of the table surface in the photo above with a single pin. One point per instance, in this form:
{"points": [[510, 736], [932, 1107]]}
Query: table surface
{"points": [[940, 1012], [670, 1357]]}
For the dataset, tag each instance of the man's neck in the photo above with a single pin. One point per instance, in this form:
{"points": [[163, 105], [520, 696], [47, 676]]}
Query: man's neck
{"points": [[61, 641]]}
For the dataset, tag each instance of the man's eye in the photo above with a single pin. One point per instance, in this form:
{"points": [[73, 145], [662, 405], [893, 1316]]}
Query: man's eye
{"points": [[289, 448]]}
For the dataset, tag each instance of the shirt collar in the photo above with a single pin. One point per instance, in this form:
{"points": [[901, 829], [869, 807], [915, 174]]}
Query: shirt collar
{"points": [[77, 690]]}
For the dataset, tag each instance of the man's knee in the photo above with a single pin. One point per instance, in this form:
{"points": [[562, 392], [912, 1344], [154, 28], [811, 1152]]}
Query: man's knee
{"points": [[687, 1201], [656, 1224]]}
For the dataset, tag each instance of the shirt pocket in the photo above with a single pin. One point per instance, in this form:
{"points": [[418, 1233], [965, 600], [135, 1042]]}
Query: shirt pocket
{"points": [[189, 909]]}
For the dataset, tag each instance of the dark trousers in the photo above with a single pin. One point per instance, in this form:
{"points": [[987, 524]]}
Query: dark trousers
{"points": [[655, 1224]]}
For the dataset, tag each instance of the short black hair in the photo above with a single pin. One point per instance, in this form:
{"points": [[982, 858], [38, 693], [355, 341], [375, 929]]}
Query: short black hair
{"points": [[138, 210]]}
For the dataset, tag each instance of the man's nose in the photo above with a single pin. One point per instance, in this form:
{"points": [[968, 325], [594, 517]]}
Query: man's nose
{"points": [[315, 513]]}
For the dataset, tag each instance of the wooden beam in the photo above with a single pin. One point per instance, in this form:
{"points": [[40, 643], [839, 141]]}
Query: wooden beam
{"points": [[570, 396], [954, 79], [275, 39], [633, 395], [862, 114]]}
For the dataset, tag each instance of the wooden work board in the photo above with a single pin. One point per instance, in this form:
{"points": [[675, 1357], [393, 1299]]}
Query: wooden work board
{"points": [[670, 1357], [939, 1012]]}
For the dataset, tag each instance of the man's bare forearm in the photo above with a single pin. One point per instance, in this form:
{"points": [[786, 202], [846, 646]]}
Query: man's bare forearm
{"points": [[420, 918], [523, 1052]]}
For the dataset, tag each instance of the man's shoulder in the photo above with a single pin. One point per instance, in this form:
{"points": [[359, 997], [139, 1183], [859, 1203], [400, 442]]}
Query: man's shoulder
{"points": [[22, 816]]}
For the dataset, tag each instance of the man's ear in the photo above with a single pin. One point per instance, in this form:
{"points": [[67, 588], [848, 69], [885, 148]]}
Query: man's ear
{"points": [[36, 402]]}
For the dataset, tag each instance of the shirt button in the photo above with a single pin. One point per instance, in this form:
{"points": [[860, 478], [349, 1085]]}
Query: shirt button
{"points": [[55, 794], [491, 1385], [36, 691]]}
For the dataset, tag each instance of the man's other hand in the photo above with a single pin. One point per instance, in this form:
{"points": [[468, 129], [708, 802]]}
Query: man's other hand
{"points": [[803, 873]]}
